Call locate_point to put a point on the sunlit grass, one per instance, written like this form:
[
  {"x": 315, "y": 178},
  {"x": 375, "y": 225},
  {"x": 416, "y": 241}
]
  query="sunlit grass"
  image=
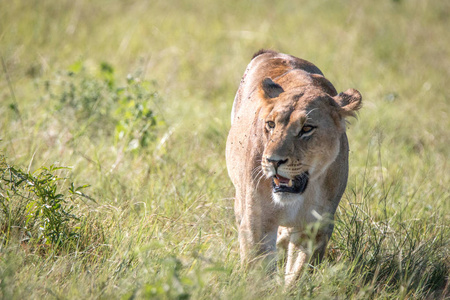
[{"x": 159, "y": 218}]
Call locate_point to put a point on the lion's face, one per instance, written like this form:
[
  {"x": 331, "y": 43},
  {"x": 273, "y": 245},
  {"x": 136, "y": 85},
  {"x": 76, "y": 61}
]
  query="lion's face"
[{"x": 302, "y": 137}]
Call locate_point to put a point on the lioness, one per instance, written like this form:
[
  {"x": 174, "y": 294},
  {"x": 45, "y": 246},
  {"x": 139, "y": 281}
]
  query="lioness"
[{"x": 287, "y": 156}]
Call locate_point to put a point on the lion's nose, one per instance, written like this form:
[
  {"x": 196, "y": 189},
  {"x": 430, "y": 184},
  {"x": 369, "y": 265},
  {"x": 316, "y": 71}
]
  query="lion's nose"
[{"x": 276, "y": 162}]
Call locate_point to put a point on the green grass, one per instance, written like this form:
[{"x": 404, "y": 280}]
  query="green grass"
[{"x": 135, "y": 99}]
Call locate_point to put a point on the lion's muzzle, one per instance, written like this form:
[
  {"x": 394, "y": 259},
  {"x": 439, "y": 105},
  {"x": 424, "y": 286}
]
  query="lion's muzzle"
[{"x": 297, "y": 185}]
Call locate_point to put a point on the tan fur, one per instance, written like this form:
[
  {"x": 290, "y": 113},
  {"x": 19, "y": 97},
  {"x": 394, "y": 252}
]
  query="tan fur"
[{"x": 297, "y": 94}]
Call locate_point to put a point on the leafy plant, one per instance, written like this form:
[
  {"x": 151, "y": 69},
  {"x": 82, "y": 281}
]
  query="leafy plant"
[
  {"x": 34, "y": 204},
  {"x": 100, "y": 106},
  {"x": 135, "y": 119}
]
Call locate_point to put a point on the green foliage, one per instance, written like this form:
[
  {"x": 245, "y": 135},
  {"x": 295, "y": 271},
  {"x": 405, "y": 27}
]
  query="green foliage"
[
  {"x": 136, "y": 121},
  {"x": 100, "y": 106},
  {"x": 33, "y": 206}
]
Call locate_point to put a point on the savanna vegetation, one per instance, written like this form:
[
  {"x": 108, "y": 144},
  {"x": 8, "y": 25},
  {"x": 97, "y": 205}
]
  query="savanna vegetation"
[{"x": 113, "y": 121}]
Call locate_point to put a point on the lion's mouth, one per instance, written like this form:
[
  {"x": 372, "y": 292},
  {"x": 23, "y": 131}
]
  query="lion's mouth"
[{"x": 297, "y": 185}]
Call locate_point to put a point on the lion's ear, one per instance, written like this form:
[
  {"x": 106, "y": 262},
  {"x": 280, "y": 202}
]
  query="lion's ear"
[
  {"x": 349, "y": 102},
  {"x": 271, "y": 89}
]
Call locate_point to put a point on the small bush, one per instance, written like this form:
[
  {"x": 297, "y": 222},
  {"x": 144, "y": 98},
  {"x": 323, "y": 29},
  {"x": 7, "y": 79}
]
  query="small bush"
[
  {"x": 101, "y": 107},
  {"x": 34, "y": 207}
]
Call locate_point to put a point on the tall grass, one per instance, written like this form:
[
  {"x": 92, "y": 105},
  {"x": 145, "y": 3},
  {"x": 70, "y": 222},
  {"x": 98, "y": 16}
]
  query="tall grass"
[{"x": 131, "y": 101}]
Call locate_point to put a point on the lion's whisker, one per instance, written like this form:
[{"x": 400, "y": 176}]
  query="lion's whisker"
[
  {"x": 257, "y": 168},
  {"x": 260, "y": 178},
  {"x": 260, "y": 171}
]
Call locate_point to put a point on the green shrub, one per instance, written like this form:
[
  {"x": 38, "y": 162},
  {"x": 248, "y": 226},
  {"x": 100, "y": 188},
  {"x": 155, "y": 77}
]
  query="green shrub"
[
  {"x": 101, "y": 107},
  {"x": 34, "y": 207}
]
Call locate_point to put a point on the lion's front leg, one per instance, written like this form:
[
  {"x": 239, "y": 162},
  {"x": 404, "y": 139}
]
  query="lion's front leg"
[
  {"x": 257, "y": 234},
  {"x": 257, "y": 242},
  {"x": 297, "y": 256}
]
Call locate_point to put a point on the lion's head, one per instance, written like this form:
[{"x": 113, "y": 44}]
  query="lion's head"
[{"x": 303, "y": 122}]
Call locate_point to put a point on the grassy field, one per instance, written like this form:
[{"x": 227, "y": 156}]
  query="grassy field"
[{"x": 133, "y": 99}]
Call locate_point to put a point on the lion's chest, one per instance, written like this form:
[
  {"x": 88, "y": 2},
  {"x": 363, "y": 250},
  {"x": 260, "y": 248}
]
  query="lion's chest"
[
  {"x": 291, "y": 212},
  {"x": 299, "y": 210}
]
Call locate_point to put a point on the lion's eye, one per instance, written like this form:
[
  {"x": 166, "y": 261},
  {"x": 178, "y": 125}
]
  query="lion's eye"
[
  {"x": 271, "y": 124},
  {"x": 306, "y": 129}
]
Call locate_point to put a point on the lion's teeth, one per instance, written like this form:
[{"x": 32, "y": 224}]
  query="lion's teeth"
[
  {"x": 290, "y": 183},
  {"x": 277, "y": 182}
]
